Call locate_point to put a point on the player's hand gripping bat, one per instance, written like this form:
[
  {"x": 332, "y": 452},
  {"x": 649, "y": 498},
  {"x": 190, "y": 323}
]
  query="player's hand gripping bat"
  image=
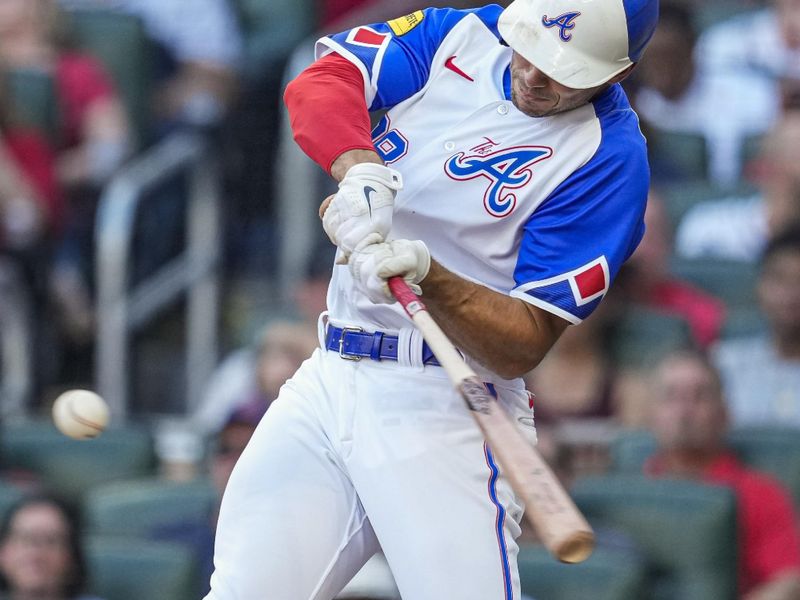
[{"x": 558, "y": 522}]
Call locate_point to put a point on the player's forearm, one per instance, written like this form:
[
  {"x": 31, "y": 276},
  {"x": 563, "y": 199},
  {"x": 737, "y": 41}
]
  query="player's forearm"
[{"x": 503, "y": 333}]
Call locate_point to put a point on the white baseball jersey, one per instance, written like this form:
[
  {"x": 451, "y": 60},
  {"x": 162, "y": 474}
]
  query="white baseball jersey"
[{"x": 544, "y": 209}]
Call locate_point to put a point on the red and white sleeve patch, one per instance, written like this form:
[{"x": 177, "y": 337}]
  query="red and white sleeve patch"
[
  {"x": 590, "y": 281},
  {"x": 366, "y": 36}
]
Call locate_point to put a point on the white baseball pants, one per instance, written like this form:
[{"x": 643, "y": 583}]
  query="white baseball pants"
[{"x": 356, "y": 456}]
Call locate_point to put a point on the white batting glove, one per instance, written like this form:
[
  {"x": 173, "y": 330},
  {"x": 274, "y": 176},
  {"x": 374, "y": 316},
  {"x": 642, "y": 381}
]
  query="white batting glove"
[
  {"x": 361, "y": 211},
  {"x": 371, "y": 266}
]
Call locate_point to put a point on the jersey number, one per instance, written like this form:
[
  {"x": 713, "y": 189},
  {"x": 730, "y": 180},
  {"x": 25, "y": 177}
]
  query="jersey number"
[{"x": 389, "y": 143}]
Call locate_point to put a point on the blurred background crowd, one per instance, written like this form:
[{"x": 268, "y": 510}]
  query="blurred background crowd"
[{"x": 159, "y": 244}]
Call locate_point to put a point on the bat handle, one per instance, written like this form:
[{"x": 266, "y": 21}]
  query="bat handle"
[{"x": 405, "y": 296}]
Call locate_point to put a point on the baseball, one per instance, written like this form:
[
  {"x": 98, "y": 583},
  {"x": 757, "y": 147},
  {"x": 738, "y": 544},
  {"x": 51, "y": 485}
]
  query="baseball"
[{"x": 80, "y": 414}]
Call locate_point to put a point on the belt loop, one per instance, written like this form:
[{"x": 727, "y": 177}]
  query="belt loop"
[
  {"x": 377, "y": 340},
  {"x": 409, "y": 348}
]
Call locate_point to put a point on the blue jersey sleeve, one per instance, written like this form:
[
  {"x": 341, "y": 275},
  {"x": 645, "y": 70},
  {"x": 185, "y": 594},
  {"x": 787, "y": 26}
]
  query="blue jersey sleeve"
[
  {"x": 576, "y": 241},
  {"x": 395, "y": 57}
]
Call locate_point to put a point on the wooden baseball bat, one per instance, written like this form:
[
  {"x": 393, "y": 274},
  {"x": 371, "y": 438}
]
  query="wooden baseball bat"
[{"x": 558, "y": 522}]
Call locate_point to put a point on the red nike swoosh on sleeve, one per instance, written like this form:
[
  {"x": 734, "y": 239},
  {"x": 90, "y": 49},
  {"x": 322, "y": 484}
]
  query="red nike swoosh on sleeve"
[{"x": 449, "y": 64}]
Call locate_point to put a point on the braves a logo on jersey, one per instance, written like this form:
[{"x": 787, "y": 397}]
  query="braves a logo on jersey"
[
  {"x": 506, "y": 169},
  {"x": 565, "y": 24}
]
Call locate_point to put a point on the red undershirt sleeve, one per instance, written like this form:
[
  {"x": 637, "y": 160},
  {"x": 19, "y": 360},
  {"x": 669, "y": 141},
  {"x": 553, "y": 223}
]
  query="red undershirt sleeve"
[{"x": 327, "y": 110}]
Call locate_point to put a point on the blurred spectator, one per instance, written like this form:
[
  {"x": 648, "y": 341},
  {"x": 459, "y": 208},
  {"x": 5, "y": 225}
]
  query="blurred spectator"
[
  {"x": 255, "y": 374},
  {"x": 682, "y": 84},
  {"x": 226, "y": 448},
  {"x": 311, "y": 293},
  {"x": 30, "y": 200},
  {"x": 647, "y": 280},
  {"x": 576, "y": 379},
  {"x": 93, "y": 137},
  {"x": 690, "y": 421},
  {"x": 761, "y": 375},
  {"x": 94, "y": 127},
  {"x": 333, "y": 10},
  {"x": 41, "y": 557},
  {"x": 202, "y": 47},
  {"x": 738, "y": 228}
]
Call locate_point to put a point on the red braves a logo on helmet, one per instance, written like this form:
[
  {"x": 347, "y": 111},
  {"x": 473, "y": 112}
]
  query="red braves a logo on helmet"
[
  {"x": 507, "y": 169},
  {"x": 565, "y": 24}
]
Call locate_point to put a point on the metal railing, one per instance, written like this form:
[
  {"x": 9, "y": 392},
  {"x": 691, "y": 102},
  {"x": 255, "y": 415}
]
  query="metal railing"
[
  {"x": 16, "y": 344},
  {"x": 122, "y": 311}
]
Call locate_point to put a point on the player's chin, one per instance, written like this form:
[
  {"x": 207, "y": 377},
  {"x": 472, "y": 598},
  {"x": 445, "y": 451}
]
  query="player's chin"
[{"x": 534, "y": 107}]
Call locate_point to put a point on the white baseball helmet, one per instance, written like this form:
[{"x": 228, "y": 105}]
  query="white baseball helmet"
[{"x": 579, "y": 43}]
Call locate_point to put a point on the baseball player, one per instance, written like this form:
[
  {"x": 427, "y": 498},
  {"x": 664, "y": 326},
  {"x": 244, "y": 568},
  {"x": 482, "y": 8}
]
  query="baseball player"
[{"x": 507, "y": 181}]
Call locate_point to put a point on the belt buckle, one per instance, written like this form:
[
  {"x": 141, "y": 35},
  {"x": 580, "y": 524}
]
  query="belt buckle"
[{"x": 341, "y": 344}]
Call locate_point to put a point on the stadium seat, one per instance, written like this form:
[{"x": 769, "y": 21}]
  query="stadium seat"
[
  {"x": 630, "y": 450},
  {"x": 71, "y": 467},
  {"x": 643, "y": 336},
  {"x": 132, "y": 569},
  {"x": 774, "y": 450},
  {"x": 9, "y": 494},
  {"x": 708, "y": 14},
  {"x": 121, "y": 44},
  {"x": 139, "y": 507},
  {"x": 743, "y": 322},
  {"x": 271, "y": 30},
  {"x": 34, "y": 102},
  {"x": 606, "y": 575},
  {"x": 681, "y": 196},
  {"x": 733, "y": 282},
  {"x": 686, "y": 152},
  {"x": 686, "y": 531}
]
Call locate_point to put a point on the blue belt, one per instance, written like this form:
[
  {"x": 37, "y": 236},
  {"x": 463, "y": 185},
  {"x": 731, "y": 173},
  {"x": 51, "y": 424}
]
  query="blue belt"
[{"x": 353, "y": 343}]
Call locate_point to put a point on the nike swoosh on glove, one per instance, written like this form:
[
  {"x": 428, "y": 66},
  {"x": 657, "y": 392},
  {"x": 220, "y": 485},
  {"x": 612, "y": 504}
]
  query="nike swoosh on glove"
[
  {"x": 361, "y": 211},
  {"x": 372, "y": 265}
]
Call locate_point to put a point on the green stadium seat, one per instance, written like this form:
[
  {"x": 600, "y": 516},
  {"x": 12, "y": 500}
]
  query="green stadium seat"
[
  {"x": 774, "y": 450},
  {"x": 643, "y": 336},
  {"x": 683, "y": 195},
  {"x": 733, "y": 282},
  {"x": 630, "y": 450},
  {"x": 9, "y": 494},
  {"x": 606, "y": 575},
  {"x": 743, "y": 322},
  {"x": 138, "y": 507},
  {"x": 271, "y": 30},
  {"x": 685, "y": 530},
  {"x": 34, "y": 102},
  {"x": 685, "y": 151},
  {"x": 121, "y": 44},
  {"x": 708, "y": 14},
  {"x": 72, "y": 467},
  {"x": 132, "y": 569}
]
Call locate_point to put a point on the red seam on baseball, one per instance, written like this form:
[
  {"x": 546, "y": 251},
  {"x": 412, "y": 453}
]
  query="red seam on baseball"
[{"x": 81, "y": 420}]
